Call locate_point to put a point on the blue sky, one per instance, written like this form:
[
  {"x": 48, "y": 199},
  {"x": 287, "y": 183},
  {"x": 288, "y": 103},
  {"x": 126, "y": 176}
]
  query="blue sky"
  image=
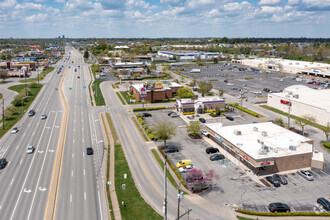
[{"x": 164, "y": 18}]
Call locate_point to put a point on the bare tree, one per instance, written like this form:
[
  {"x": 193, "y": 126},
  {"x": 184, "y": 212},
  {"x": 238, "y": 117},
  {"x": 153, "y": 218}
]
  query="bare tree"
[
  {"x": 304, "y": 121},
  {"x": 3, "y": 75},
  {"x": 220, "y": 91},
  {"x": 326, "y": 131}
]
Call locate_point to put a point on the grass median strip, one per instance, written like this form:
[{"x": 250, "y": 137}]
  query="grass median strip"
[
  {"x": 126, "y": 96},
  {"x": 121, "y": 98},
  {"x": 108, "y": 173},
  {"x": 139, "y": 128},
  {"x": 134, "y": 205}
]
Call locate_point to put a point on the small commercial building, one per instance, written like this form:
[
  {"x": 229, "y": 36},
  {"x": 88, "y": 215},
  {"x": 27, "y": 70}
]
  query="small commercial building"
[
  {"x": 200, "y": 106},
  {"x": 299, "y": 100},
  {"x": 154, "y": 90},
  {"x": 188, "y": 55},
  {"x": 265, "y": 148}
]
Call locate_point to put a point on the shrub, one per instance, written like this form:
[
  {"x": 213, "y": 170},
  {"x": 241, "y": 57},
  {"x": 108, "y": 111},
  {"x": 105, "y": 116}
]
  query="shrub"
[
  {"x": 152, "y": 136},
  {"x": 284, "y": 213},
  {"x": 188, "y": 113},
  {"x": 236, "y": 105},
  {"x": 213, "y": 114},
  {"x": 326, "y": 145},
  {"x": 148, "y": 109}
]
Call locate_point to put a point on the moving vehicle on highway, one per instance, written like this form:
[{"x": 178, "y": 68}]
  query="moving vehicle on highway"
[
  {"x": 15, "y": 130},
  {"x": 30, "y": 149},
  {"x": 43, "y": 116},
  {"x": 31, "y": 113},
  {"x": 278, "y": 207},
  {"x": 3, "y": 163},
  {"x": 307, "y": 175},
  {"x": 89, "y": 151}
]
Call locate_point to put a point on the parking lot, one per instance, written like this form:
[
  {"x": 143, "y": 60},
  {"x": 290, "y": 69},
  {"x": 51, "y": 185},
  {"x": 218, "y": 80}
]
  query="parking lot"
[
  {"x": 251, "y": 81},
  {"x": 232, "y": 186}
]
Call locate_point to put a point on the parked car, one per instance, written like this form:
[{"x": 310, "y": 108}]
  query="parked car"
[
  {"x": 195, "y": 188},
  {"x": 30, "y": 149},
  {"x": 273, "y": 181},
  {"x": 43, "y": 116},
  {"x": 173, "y": 115},
  {"x": 15, "y": 130},
  {"x": 185, "y": 169},
  {"x": 230, "y": 118},
  {"x": 3, "y": 163},
  {"x": 230, "y": 84},
  {"x": 78, "y": 77},
  {"x": 324, "y": 203},
  {"x": 217, "y": 157},
  {"x": 202, "y": 120},
  {"x": 280, "y": 178},
  {"x": 211, "y": 150},
  {"x": 31, "y": 113},
  {"x": 205, "y": 133},
  {"x": 278, "y": 207},
  {"x": 171, "y": 149},
  {"x": 307, "y": 175},
  {"x": 145, "y": 114},
  {"x": 89, "y": 151}
]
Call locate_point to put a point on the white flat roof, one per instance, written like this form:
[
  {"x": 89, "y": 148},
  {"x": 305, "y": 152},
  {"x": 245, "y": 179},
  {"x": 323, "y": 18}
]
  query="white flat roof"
[
  {"x": 278, "y": 139},
  {"x": 313, "y": 97}
]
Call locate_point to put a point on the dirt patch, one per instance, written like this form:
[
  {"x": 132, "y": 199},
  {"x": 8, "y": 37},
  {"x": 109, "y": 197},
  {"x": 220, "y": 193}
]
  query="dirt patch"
[{"x": 265, "y": 182}]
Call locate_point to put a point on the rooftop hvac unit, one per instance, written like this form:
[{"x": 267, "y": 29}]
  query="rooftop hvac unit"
[
  {"x": 290, "y": 92},
  {"x": 291, "y": 147},
  {"x": 259, "y": 141},
  {"x": 264, "y": 133},
  {"x": 265, "y": 148},
  {"x": 255, "y": 129},
  {"x": 296, "y": 96},
  {"x": 262, "y": 152},
  {"x": 237, "y": 132},
  {"x": 287, "y": 96}
]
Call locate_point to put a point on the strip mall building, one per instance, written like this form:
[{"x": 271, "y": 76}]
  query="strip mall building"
[{"x": 265, "y": 148}]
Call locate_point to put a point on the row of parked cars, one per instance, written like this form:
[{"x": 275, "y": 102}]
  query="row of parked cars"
[
  {"x": 276, "y": 180},
  {"x": 282, "y": 207}
]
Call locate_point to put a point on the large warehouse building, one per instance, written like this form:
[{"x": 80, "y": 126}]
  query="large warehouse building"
[
  {"x": 264, "y": 148},
  {"x": 302, "y": 101},
  {"x": 289, "y": 66}
]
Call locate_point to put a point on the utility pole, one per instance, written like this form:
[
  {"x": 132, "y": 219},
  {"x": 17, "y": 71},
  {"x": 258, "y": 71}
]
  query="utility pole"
[
  {"x": 289, "y": 109},
  {"x": 180, "y": 196},
  {"x": 165, "y": 189}
]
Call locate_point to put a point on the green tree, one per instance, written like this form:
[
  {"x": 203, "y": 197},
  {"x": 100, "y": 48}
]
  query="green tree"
[
  {"x": 185, "y": 92},
  {"x": 164, "y": 130},
  {"x": 3, "y": 75},
  {"x": 153, "y": 66},
  {"x": 304, "y": 121},
  {"x": 220, "y": 91},
  {"x": 86, "y": 54},
  {"x": 215, "y": 60},
  {"x": 193, "y": 128},
  {"x": 326, "y": 131},
  {"x": 279, "y": 121},
  {"x": 204, "y": 87},
  {"x": 9, "y": 111},
  {"x": 18, "y": 99},
  {"x": 217, "y": 111}
]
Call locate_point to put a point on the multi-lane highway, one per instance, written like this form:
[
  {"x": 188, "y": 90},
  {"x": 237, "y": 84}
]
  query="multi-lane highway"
[
  {"x": 24, "y": 182},
  {"x": 81, "y": 192}
]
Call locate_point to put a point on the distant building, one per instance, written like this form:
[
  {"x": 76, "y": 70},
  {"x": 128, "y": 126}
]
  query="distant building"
[
  {"x": 201, "y": 105},
  {"x": 186, "y": 55},
  {"x": 300, "y": 100},
  {"x": 265, "y": 148},
  {"x": 154, "y": 90}
]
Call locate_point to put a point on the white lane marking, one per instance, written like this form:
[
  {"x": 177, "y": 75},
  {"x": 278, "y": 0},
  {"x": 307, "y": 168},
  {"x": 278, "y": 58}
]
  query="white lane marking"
[
  {"x": 12, "y": 181},
  {"x": 83, "y": 154},
  {"x": 23, "y": 134},
  {"x": 21, "y": 161},
  {"x": 85, "y": 195},
  {"x": 72, "y": 155},
  {"x": 70, "y": 198},
  {"x": 98, "y": 192},
  {"x": 27, "y": 191},
  {"x": 83, "y": 140},
  {"x": 82, "y": 120},
  {"x": 74, "y": 130},
  {"x": 82, "y": 129},
  {"x": 33, "y": 133},
  {"x": 17, "y": 147},
  {"x": 42, "y": 189},
  {"x": 71, "y": 172},
  {"x": 73, "y": 140},
  {"x": 84, "y": 172}
]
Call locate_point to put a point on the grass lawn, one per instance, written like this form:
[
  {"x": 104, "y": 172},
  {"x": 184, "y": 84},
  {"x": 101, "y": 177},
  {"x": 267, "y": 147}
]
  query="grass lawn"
[
  {"x": 1, "y": 96},
  {"x": 126, "y": 96},
  {"x": 243, "y": 218},
  {"x": 17, "y": 114},
  {"x": 121, "y": 98},
  {"x": 135, "y": 206},
  {"x": 42, "y": 75},
  {"x": 99, "y": 100}
]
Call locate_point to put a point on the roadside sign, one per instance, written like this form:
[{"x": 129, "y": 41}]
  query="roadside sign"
[
  {"x": 84, "y": 87},
  {"x": 70, "y": 88}
]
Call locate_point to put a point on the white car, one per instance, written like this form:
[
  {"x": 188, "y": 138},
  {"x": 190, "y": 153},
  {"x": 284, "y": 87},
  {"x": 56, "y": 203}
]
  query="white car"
[
  {"x": 205, "y": 133},
  {"x": 43, "y": 116},
  {"x": 230, "y": 84},
  {"x": 173, "y": 115},
  {"x": 307, "y": 175},
  {"x": 185, "y": 169},
  {"x": 30, "y": 149},
  {"x": 14, "y": 131}
]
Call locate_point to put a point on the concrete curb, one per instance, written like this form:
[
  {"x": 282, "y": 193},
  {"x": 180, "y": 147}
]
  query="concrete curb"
[
  {"x": 109, "y": 141},
  {"x": 91, "y": 85}
]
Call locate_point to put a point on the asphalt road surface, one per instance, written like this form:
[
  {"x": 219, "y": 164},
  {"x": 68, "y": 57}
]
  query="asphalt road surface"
[
  {"x": 81, "y": 192},
  {"x": 24, "y": 183}
]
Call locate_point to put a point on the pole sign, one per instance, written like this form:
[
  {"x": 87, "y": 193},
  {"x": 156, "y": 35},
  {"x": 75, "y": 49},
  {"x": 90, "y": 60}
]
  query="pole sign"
[
  {"x": 97, "y": 75},
  {"x": 143, "y": 92}
]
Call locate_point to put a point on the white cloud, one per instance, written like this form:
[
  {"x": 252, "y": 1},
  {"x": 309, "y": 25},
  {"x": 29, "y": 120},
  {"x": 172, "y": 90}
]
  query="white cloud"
[
  {"x": 36, "y": 18},
  {"x": 236, "y": 6},
  {"x": 39, "y": 0},
  {"x": 59, "y": 1},
  {"x": 28, "y": 6},
  {"x": 293, "y": 2},
  {"x": 270, "y": 10},
  {"x": 316, "y": 3},
  {"x": 141, "y": 4},
  {"x": 173, "y": 3},
  {"x": 7, "y": 4},
  {"x": 269, "y": 2}
]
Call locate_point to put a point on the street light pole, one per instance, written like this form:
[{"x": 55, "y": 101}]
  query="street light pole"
[
  {"x": 3, "y": 113},
  {"x": 289, "y": 109}
]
